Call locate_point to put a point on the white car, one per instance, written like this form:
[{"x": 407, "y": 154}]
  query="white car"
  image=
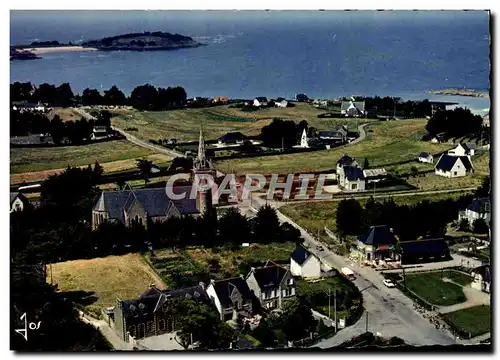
[{"x": 389, "y": 283}]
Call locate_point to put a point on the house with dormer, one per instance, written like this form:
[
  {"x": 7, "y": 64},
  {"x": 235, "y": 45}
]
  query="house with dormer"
[
  {"x": 304, "y": 263},
  {"x": 452, "y": 166},
  {"x": 272, "y": 285},
  {"x": 231, "y": 297},
  {"x": 376, "y": 243}
]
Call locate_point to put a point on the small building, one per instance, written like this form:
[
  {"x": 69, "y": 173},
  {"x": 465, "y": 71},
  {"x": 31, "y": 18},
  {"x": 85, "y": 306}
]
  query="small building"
[
  {"x": 439, "y": 138},
  {"x": 232, "y": 138},
  {"x": 281, "y": 103},
  {"x": 453, "y": 166},
  {"x": 486, "y": 120},
  {"x": 478, "y": 209},
  {"x": 462, "y": 150},
  {"x": 260, "y": 101},
  {"x": 424, "y": 251},
  {"x": 17, "y": 201},
  {"x": 220, "y": 100},
  {"x": 481, "y": 278},
  {"x": 99, "y": 132},
  {"x": 337, "y": 136},
  {"x": 301, "y": 98},
  {"x": 304, "y": 142},
  {"x": 374, "y": 175},
  {"x": 231, "y": 297},
  {"x": 426, "y": 158},
  {"x": 272, "y": 285},
  {"x": 320, "y": 102},
  {"x": 304, "y": 264},
  {"x": 351, "y": 178},
  {"x": 29, "y": 107},
  {"x": 472, "y": 148},
  {"x": 353, "y": 108},
  {"x": 376, "y": 244}
]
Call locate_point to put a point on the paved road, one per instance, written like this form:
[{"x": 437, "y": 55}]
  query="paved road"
[{"x": 389, "y": 312}]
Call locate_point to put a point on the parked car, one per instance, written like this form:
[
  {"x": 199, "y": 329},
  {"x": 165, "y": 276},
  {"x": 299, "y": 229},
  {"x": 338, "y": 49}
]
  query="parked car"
[{"x": 389, "y": 283}]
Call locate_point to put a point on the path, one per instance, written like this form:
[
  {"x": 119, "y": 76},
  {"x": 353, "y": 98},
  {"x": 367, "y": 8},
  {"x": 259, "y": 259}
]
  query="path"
[
  {"x": 107, "y": 332},
  {"x": 474, "y": 298}
]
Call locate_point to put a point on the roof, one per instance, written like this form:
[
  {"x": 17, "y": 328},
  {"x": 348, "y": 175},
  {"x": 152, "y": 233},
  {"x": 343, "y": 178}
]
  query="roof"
[
  {"x": 302, "y": 96},
  {"x": 224, "y": 288},
  {"x": 280, "y": 99},
  {"x": 428, "y": 246},
  {"x": 378, "y": 235},
  {"x": 345, "y": 160},
  {"x": 446, "y": 162},
  {"x": 151, "y": 300},
  {"x": 353, "y": 173},
  {"x": 261, "y": 99},
  {"x": 424, "y": 155},
  {"x": 480, "y": 206},
  {"x": 331, "y": 134},
  {"x": 155, "y": 202},
  {"x": 300, "y": 255},
  {"x": 233, "y": 136},
  {"x": 269, "y": 276},
  {"x": 374, "y": 172},
  {"x": 13, "y": 196},
  {"x": 471, "y": 146},
  {"x": 359, "y": 105}
]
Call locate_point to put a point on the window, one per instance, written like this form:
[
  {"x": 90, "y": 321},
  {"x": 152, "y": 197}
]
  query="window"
[
  {"x": 290, "y": 282},
  {"x": 293, "y": 291},
  {"x": 354, "y": 186},
  {"x": 263, "y": 295},
  {"x": 283, "y": 293},
  {"x": 455, "y": 173}
]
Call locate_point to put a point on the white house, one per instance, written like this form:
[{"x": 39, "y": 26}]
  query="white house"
[
  {"x": 320, "y": 102},
  {"x": 281, "y": 103},
  {"x": 304, "y": 144},
  {"x": 352, "y": 108},
  {"x": 260, "y": 101},
  {"x": 304, "y": 264},
  {"x": 478, "y": 209},
  {"x": 461, "y": 150},
  {"x": 17, "y": 201},
  {"x": 99, "y": 132},
  {"x": 377, "y": 243},
  {"x": 351, "y": 178},
  {"x": 453, "y": 166},
  {"x": 426, "y": 158},
  {"x": 345, "y": 160},
  {"x": 481, "y": 278},
  {"x": 230, "y": 297}
]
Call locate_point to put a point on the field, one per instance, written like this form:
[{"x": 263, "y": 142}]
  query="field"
[
  {"x": 391, "y": 142},
  {"x": 66, "y": 114},
  {"x": 125, "y": 277},
  {"x": 33, "y": 164},
  {"x": 184, "y": 125},
  {"x": 475, "y": 320},
  {"x": 315, "y": 215},
  {"x": 188, "y": 267},
  {"x": 432, "y": 289}
]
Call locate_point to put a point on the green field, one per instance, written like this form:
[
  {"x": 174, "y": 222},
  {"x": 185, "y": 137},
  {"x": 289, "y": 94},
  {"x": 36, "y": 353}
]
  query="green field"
[
  {"x": 431, "y": 288},
  {"x": 315, "y": 215},
  {"x": 39, "y": 159},
  {"x": 474, "y": 321},
  {"x": 184, "y": 125},
  {"x": 390, "y": 142}
]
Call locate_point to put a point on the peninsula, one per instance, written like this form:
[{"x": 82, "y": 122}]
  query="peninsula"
[
  {"x": 22, "y": 55},
  {"x": 459, "y": 92},
  {"x": 145, "y": 41}
]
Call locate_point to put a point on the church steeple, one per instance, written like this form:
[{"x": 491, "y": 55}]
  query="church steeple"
[{"x": 201, "y": 147}]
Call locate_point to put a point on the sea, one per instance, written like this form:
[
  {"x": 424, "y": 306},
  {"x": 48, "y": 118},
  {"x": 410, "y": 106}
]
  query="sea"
[{"x": 325, "y": 54}]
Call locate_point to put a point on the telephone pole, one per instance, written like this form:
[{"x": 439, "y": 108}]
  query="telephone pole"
[
  {"x": 335, "y": 307},
  {"x": 366, "y": 330}
]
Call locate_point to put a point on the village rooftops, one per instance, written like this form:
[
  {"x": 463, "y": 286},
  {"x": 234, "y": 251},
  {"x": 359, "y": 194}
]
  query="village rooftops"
[
  {"x": 224, "y": 288},
  {"x": 446, "y": 162},
  {"x": 480, "y": 206},
  {"x": 269, "y": 276},
  {"x": 300, "y": 255},
  {"x": 378, "y": 235}
]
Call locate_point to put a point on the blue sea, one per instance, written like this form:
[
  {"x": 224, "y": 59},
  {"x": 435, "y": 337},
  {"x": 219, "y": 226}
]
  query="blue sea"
[{"x": 324, "y": 54}]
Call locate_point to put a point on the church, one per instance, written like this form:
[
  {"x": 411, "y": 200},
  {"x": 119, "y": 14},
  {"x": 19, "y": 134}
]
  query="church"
[{"x": 145, "y": 205}]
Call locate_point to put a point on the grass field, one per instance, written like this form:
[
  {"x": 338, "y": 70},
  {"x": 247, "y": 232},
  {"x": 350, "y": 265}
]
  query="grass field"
[
  {"x": 66, "y": 114},
  {"x": 390, "y": 142},
  {"x": 315, "y": 215},
  {"x": 184, "y": 125},
  {"x": 475, "y": 320},
  {"x": 125, "y": 277},
  {"x": 188, "y": 267},
  {"x": 33, "y": 164},
  {"x": 431, "y": 288}
]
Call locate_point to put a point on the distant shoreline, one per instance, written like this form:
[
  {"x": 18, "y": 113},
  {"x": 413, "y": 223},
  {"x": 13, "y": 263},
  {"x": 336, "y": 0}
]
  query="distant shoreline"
[
  {"x": 460, "y": 92},
  {"x": 58, "y": 49}
]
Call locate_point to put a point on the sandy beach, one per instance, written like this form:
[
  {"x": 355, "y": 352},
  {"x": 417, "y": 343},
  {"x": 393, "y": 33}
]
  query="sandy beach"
[{"x": 59, "y": 49}]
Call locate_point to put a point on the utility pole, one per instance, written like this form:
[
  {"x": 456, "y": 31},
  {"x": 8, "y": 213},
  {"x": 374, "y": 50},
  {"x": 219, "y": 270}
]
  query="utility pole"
[
  {"x": 335, "y": 307},
  {"x": 329, "y": 306},
  {"x": 51, "y": 283},
  {"x": 282, "y": 144},
  {"x": 366, "y": 330}
]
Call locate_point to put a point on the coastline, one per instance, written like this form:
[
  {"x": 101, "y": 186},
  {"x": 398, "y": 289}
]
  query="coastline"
[
  {"x": 58, "y": 49},
  {"x": 460, "y": 92}
]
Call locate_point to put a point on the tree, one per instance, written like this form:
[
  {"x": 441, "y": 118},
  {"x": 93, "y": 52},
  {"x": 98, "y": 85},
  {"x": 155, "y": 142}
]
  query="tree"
[
  {"x": 144, "y": 97},
  {"x": 279, "y": 133},
  {"x": 145, "y": 167},
  {"x": 483, "y": 190},
  {"x": 414, "y": 171},
  {"x": 349, "y": 217},
  {"x": 455, "y": 123},
  {"x": 91, "y": 97},
  {"x": 267, "y": 226},
  {"x": 63, "y": 95},
  {"x": 234, "y": 227},
  {"x": 479, "y": 226},
  {"x": 114, "y": 96},
  {"x": 366, "y": 164},
  {"x": 464, "y": 225}
]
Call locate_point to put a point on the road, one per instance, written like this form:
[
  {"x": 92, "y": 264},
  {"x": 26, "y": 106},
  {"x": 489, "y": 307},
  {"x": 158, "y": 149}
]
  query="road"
[{"x": 390, "y": 313}]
